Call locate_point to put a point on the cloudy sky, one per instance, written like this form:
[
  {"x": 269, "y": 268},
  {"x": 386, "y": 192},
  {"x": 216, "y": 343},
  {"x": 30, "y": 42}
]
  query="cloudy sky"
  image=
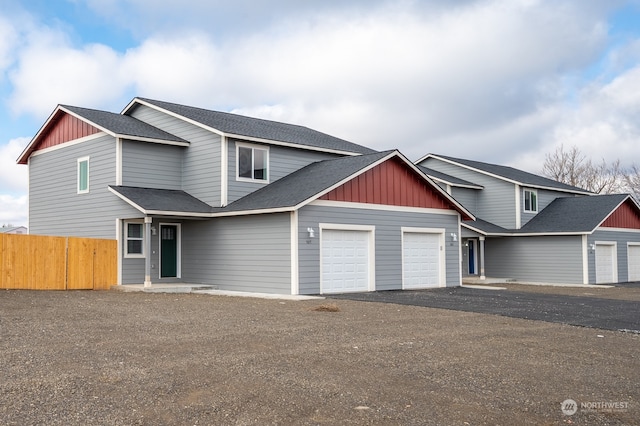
[{"x": 502, "y": 81}]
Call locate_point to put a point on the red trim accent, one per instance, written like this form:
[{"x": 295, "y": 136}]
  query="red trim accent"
[
  {"x": 390, "y": 183},
  {"x": 626, "y": 216}
]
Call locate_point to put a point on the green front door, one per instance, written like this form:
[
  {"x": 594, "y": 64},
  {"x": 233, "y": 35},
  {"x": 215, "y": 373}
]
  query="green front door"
[{"x": 168, "y": 251}]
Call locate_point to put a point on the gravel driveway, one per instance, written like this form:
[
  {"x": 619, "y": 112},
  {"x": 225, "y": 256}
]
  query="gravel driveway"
[{"x": 94, "y": 358}]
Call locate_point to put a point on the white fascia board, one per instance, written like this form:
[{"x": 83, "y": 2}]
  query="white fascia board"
[
  {"x": 67, "y": 144},
  {"x": 128, "y": 201},
  {"x": 383, "y": 207},
  {"x": 81, "y": 118},
  {"x": 153, "y": 140},
  {"x": 424, "y": 158},
  {"x": 472, "y": 228},
  {"x": 629, "y": 230}
]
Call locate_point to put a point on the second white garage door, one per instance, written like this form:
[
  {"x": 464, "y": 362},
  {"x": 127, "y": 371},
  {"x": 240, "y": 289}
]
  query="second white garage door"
[
  {"x": 421, "y": 260},
  {"x": 345, "y": 257},
  {"x": 606, "y": 263}
]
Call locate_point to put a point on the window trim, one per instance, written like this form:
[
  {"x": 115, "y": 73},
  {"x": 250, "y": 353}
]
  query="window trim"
[
  {"x": 252, "y": 147},
  {"x": 127, "y": 238},
  {"x": 80, "y": 161},
  {"x": 524, "y": 200}
]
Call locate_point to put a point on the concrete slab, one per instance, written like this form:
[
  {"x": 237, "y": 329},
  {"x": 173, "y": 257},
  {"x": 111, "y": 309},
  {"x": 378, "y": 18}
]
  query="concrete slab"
[{"x": 206, "y": 289}]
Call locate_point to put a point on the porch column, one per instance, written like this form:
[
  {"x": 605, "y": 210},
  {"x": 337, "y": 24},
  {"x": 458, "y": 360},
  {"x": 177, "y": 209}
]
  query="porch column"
[
  {"x": 147, "y": 251},
  {"x": 482, "y": 276}
]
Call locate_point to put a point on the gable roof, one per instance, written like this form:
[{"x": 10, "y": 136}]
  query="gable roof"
[
  {"x": 510, "y": 174},
  {"x": 448, "y": 179},
  {"x": 288, "y": 193},
  {"x": 240, "y": 126},
  {"x": 116, "y": 125},
  {"x": 574, "y": 214}
]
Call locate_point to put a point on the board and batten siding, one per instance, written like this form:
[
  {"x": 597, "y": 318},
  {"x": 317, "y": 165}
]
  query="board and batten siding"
[
  {"x": 201, "y": 161},
  {"x": 243, "y": 253},
  {"x": 621, "y": 238},
  {"x": 55, "y": 207},
  {"x": 388, "y": 242},
  {"x": 151, "y": 165},
  {"x": 495, "y": 203},
  {"x": 552, "y": 259},
  {"x": 282, "y": 161}
]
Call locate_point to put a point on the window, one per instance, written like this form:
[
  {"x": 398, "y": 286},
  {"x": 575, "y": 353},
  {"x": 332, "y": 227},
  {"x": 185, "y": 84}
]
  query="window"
[
  {"x": 83, "y": 175},
  {"x": 252, "y": 163},
  {"x": 134, "y": 239},
  {"x": 530, "y": 201}
]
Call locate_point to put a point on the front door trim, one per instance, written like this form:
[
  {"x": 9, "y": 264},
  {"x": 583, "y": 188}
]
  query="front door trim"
[{"x": 178, "y": 249}]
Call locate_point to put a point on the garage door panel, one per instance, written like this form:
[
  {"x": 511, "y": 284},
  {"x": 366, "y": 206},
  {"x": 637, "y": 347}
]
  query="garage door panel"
[
  {"x": 345, "y": 261},
  {"x": 605, "y": 263},
  {"x": 634, "y": 262},
  {"x": 421, "y": 260}
]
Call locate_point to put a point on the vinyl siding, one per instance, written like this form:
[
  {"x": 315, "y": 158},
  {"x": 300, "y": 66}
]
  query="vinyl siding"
[
  {"x": 201, "y": 167},
  {"x": 248, "y": 253},
  {"x": 282, "y": 161},
  {"x": 621, "y": 239},
  {"x": 388, "y": 242},
  {"x": 55, "y": 207},
  {"x": 554, "y": 259},
  {"x": 467, "y": 197},
  {"x": 545, "y": 197},
  {"x": 495, "y": 203},
  {"x": 150, "y": 165}
]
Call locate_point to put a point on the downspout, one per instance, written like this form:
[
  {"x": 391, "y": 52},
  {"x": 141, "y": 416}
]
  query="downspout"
[{"x": 147, "y": 251}]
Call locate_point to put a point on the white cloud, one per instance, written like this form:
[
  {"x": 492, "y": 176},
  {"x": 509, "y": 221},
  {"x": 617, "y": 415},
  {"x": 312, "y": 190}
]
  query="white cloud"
[
  {"x": 14, "y": 177},
  {"x": 13, "y": 210}
]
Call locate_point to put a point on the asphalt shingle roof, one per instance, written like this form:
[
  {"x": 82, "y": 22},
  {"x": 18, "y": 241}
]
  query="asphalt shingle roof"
[
  {"x": 448, "y": 178},
  {"x": 258, "y": 128},
  {"x": 573, "y": 214},
  {"x": 520, "y": 176},
  {"x": 123, "y": 124},
  {"x": 163, "y": 200}
]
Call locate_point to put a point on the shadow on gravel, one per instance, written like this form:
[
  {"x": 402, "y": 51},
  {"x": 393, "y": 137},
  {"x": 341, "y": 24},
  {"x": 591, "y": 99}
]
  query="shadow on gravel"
[{"x": 593, "y": 312}]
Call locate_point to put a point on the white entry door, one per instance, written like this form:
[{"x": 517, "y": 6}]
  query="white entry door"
[
  {"x": 421, "y": 260},
  {"x": 606, "y": 268},
  {"x": 634, "y": 262},
  {"x": 345, "y": 261}
]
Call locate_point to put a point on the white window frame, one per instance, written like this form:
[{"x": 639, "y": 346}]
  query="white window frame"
[
  {"x": 127, "y": 238},
  {"x": 253, "y": 147},
  {"x": 524, "y": 200},
  {"x": 82, "y": 160}
]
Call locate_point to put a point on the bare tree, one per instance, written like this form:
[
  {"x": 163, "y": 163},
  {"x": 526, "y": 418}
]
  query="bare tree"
[
  {"x": 573, "y": 168},
  {"x": 632, "y": 179}
]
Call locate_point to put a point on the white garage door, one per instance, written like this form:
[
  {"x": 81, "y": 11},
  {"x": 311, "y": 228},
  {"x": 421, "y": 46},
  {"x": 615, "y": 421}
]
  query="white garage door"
[
  {"x": 605, "y": 263},
  {"x": 634, "y": 262},
  {"x": 345, "y": 261},
  {"x": 421, "y": 260}
]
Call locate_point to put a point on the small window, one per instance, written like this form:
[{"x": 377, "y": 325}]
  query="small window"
[
  {"x": 252, "y": 163},
  {"x": 134, "y": 239},
  {"x": 530, "y": 201},
  {"x": 83, "y": 175}
]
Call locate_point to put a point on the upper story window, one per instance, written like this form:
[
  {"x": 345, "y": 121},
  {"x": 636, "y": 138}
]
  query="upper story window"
[
  {"x": 134, "y": 239},
  {"x": 252, "y": 163},
  {"x": 83, "y": 175},
  {"x": 530, "y": 201}
]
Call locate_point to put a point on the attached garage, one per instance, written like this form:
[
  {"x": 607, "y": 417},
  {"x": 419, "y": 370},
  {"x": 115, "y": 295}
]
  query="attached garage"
[
  {"x": 633, "y": 252},
  {"x": 346, "y": 260},
  {"x": 606, "y": 261},
  {"x": 422, "y": 260}
]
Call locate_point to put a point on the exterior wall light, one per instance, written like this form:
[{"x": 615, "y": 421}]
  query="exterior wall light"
[
  {"x": 311, "y": 232},
  {"x": 454, "y": 237}
]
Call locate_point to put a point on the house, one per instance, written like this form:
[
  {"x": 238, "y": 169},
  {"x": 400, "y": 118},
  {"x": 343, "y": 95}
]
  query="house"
[
  {"x": 531, "y": 228},
  {"x": 13, "y": 230},
  {"x": 205, "y": 197}
]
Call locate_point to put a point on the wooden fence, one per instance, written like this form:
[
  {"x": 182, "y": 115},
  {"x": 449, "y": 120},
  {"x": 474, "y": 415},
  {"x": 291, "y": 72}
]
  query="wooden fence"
[{"x": 34, "y": 262}]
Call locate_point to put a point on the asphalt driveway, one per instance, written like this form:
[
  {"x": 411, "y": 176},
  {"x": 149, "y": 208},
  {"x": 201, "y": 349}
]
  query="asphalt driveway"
[{"x": 596, "y": 312}]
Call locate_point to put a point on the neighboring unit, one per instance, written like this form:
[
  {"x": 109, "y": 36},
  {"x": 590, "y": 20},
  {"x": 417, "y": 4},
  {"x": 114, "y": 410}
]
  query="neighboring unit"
[
  {"x": 204, "y": 197},
  {"x": 531, "y": 228},
  {"x": 13, "y": 230}
]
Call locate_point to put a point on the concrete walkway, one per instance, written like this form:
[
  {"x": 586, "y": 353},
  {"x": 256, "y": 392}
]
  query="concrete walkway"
[{"x": 206, "y": 289}]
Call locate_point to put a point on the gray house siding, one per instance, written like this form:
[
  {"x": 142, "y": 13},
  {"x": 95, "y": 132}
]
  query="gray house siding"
[
  {"x": 282, "y": 161},
  {"x": 388, "y": 242},
  {"x": 467, "y": 197},
  {"x": 496, "y": 205},
  {"x": 621, "y": 239},
  {"x": 248, "y": 253},
  {"x": 537, "y": 259},
  {"x": 545, "y": 197},
  {"x": 202, "y": 162},
  {"x": 55, "y": 207},
  {"x": 150, "y": 165}
]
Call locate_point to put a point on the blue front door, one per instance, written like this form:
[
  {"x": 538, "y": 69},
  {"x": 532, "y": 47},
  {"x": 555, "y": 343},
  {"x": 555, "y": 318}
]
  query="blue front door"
[{"x": 472, "y": 257}]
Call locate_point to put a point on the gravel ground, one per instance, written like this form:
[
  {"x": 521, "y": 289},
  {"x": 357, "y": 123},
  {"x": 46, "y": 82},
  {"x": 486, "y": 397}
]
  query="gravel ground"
[{"x": 85, "y": 358}]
